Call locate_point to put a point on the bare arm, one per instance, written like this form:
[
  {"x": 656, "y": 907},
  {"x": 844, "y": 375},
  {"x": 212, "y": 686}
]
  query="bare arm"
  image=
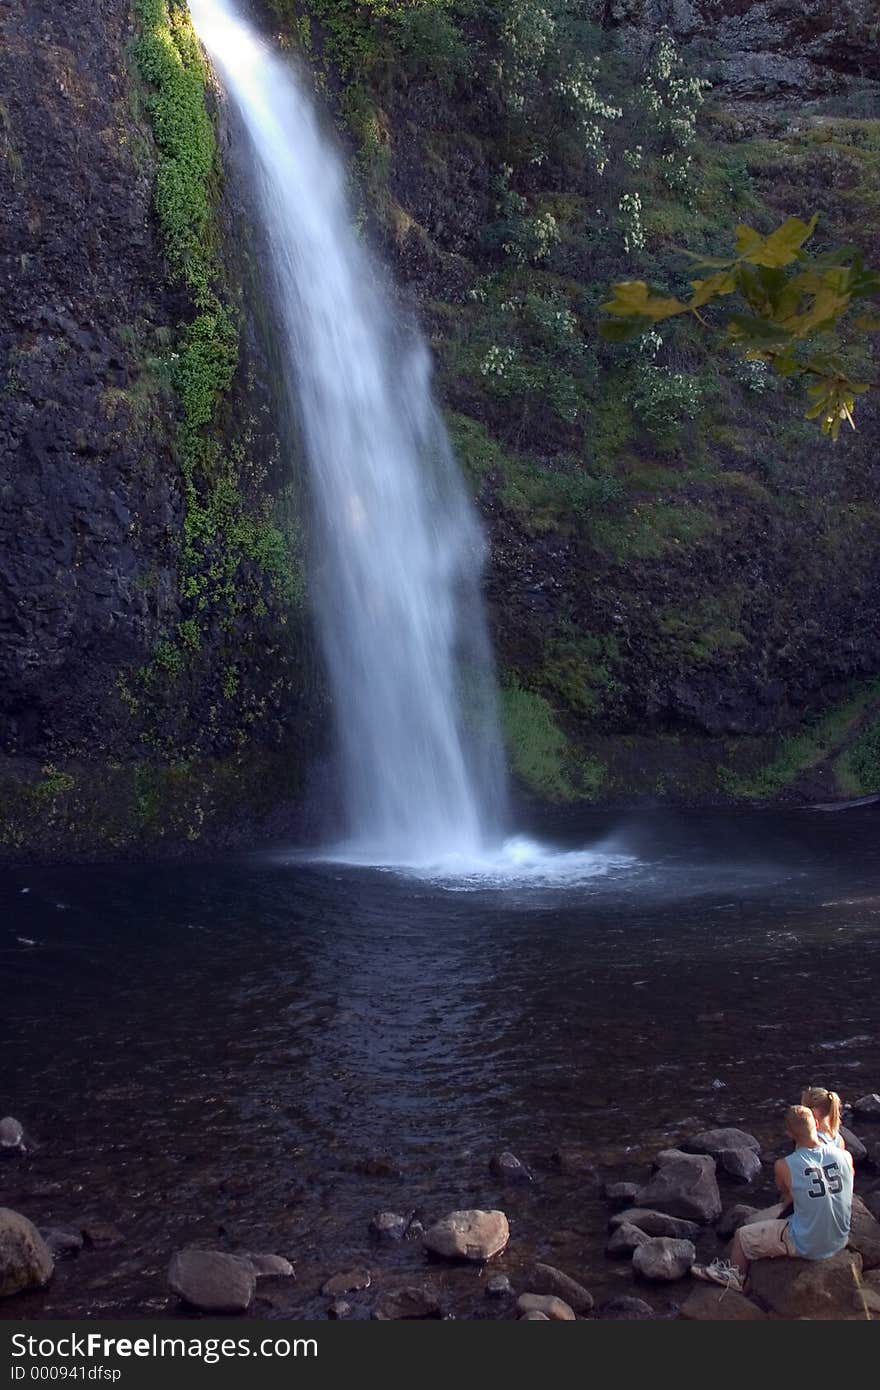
[{"x": 782, "y": 1174}]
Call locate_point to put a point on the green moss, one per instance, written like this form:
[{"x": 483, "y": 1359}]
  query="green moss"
[
  {"x": 858, "y": 769},
  {"x": 477, "y": 452},
  {"x": 539, "y": 751},
  {"x": 800, "y": 752},
  {"x": 547, "y": 497},
  {"x": 580, "y": 671},
  {"x": 651, "y": 529}
]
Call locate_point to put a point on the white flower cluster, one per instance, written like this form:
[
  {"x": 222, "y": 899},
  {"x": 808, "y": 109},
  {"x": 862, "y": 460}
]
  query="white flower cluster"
[
  {"x": 630, "y": 210},
  {"x": 673, "y": 101},
  {"x": 498, "y": 361}
]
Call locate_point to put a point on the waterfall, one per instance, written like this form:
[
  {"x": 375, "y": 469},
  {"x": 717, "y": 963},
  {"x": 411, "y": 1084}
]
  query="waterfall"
[{"x": 397, "y": 552}]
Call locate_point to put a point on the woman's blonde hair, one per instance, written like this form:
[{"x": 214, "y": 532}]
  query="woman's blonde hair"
[{"x": 824, "y": 1104}]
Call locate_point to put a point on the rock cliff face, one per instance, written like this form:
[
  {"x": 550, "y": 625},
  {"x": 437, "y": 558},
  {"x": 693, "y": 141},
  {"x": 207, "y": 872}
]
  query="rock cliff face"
[{"x": 144, "y": 675}]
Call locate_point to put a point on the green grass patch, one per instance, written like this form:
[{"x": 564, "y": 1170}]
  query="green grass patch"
[
  {"x": 539, "y": 751},
  {"x": 650, "y": 529}
]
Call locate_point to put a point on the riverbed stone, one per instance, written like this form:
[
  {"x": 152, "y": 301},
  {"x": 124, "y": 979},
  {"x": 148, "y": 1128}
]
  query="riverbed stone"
[
  {"x": 743, "y": 1164},
  {"x": 711, "y": 1303},
  {"x": 655, "y": 1223},
  {"x": 102, "y": 1235},
  {"x": 498, "y": 1286},
  {"x": 339, "y": 1308},
  {"x": 388, "y": 1226},
  {"x": 468, "y": 1235},
  {"x": 864, "y": 1234},
  {"x": 62, "y": 1241},
  {"x": 269, "y": 1266},
  {"x": 25, "y": 1260},
  {"x": 623, "y": 1194},
  {"x": 739, "y": 1215},
  {"x": 507, "y": 1168},
  {"x": 576, "y": 1163},
  {"x": 685, "y": 1186},
  {"x": 625, "y": 1239},
  {"x": 854, "y": 1144},
  {"x": 556, "y": 1309},
  {"x": 347, "y": 1281},
  {"x": 11, "y": 1136},
  {"x": 717, "y": 1141},
  {"x": 410, "y": 1302},
  {"x": 867, "y": 1107},
  {"x": 550, "y": 1280},
  {"x": 623, "y": 1308},
  {"x": 814, "y": 1289},
  {"x": 534, "y": 1316},
  {"x": 212, "y": 1281},
  {"x": 662, "y": 1258}
]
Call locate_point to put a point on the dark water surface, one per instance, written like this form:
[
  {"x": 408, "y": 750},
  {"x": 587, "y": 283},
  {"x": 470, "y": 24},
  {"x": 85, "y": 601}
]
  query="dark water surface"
[{"x": 216, "y": 1053}]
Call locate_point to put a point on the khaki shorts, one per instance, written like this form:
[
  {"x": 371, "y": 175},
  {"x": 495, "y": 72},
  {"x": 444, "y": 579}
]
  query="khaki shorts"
[{"x": 765, "y": 1240}]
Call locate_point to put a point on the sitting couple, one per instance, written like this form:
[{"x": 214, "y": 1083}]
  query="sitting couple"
[{"x": 816, "y": 1184}]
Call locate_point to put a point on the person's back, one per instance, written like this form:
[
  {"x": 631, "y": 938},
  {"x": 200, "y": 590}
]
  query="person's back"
[{"x": 822, "y": 1191}]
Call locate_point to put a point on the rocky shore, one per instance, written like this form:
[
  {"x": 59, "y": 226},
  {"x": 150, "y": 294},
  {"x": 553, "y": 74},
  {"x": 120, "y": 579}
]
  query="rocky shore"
[{"x": 664, "y": 1213}]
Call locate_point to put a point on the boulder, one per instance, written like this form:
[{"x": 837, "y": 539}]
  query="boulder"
[
  {"x": 399, "y": 1304},
  {"x": 11, "y": 1136},
  {"x": 623, "y": 1194},
  {"x": 506, "y": 1167},
  {"x": 711, "y": 1303},
  {"x": 814, "y": 1289},
  {"x": 743, "y": 1164},
  {"x": 685, "y": 1185},
  {"x": 734, "y": 1217},
  {"x": 534, "y": 1317},
  {"x": 269, "y": 1266},
  {"x": 718, "y": 1141},
  {"x": 867, "y": 1107},
  {"x": 854, "y": 1144},
  {"x": 388, "y": 1226},
  {"x": 25, "y": 1260},
  {"x": 468, "y": 1235},
  {"x": 212, "y": 1281},
  {"x": 549, "y": 1279},
  {"x": 655, "y": 1223},
  {"x": 662, "y": 1258},
  {"x": 556, "y": 1309},
  {"x": 61, "y": 1241},
  {"x": 872, "y": 1202},
  {"x": 625, "y": 1239},
  {"x": 625, "y": 1309},
  {"x": 866, "y": 1299},
  {"x": 498, "y": 1286},
  {"x": 864, "y": 1234},
  {"x": 348, "y": 1281}
]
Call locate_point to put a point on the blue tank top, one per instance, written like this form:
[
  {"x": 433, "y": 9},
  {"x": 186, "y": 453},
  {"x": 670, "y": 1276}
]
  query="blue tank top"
[
  {"x": 827, "y": 1138},
  {"x": 821, "y": 1188}
]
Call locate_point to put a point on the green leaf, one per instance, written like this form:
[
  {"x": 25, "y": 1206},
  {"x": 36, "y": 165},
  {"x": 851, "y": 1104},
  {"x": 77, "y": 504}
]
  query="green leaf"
[
  {"x": 710, "y": 262},
  {"x": 779, "y": 248},
  {"x": 748, "y": 330},
  {"x": 621, "y": 330},
  {"x": 868, "y": 323},
  {"x": 704, "y": 290},
  {"x": 631, "y": 297}
]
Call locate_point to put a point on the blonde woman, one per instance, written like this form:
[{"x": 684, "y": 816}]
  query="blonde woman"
[{"x": 826, "y": 1108}]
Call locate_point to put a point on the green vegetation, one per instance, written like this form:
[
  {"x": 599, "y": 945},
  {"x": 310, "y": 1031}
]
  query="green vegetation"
[
  {"x": 539, "y": 751},
  {"x": 800, "y": 752},
  {"x": 859, "y": 766}
]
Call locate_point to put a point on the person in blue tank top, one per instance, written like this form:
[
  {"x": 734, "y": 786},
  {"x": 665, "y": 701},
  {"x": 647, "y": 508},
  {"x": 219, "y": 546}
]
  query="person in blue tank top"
[
  {"x": 826, "y": 1109},
  {"x": 817, "y": 1179}
]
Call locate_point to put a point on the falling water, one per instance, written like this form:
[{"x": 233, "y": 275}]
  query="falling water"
[{"x": 398, "y": 552}]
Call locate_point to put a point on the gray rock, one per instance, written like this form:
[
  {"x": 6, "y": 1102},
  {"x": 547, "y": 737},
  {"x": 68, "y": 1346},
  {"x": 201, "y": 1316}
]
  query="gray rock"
[
  {"x": 556, "y": 1309},
  {"x": 348, "y": 1281},
  {"x": 740, "y": 1163},
  {"x": 734, "y": 1217},
  {"x": 507, "y": 1168},
  {"x": 872, "y": 1202},
  {"x": 685, "y": 1185},
  {"x": 498, "y": 1286},
  {"x": 813, "y": 1289},
  {"x": 270, "y": 1266},
  {"x": 711, "y": 1303},
  {"x": 11, "y": 1136},
  {"x": 625, "y": 1309},
  {"x": 388, "y": 1226},
  {"x": 664, "y": 1259},
  {"x": 408, "y": 1303},
  {"x": 61, "y": 1241},
  {"x": 854, "y": 1144},
  {"x": 867, "y": 1107},
  {"x": 625, "y": 1239},
  {"x": 25, "y": 1260},
  {"x": 339, "y": 1309},
  {"x": 468, "y": 1235},
  {"x": 864, "y": 1234},
  {"x": 622, "y": 1193},
  {"x": 655, "y": 1223},
  {"x": 718, "y": 1141},
  {"x": 534, "y": 1316},
  {"x": 212, "y": 1281},
  {"x": 548, "y": 1279}
]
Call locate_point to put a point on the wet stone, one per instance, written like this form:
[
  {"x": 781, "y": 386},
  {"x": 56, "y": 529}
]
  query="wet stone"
[
  {"x": 340, "y": 1309},
  {"x": 212, "y": 1281},
  {"x": 102, "y": 1235},
  {"x": 625, "y": 1309},
  {"x": 388, "y": 1226},
  {"x": 348, "y": 1281},
  {"x": 623, "y": 1194},
  {"x": 408, "y": 1303},
  {"x": 507, "y": 1168},
  {"x": 469, "y": 1235},
  {"x": 270, "y": 1266},
  {"x": 867, "y": 1107},
  {"x": 25, "y": 1260},
  {"x": 664, "y": 1259},
  {"x": 625, "y": 1239},
  {"x": 548, "y": 1279},
  {"x": 498, "y": 1286},
  {"x": 62, "y": 1242},
  {"x": 551, "y": 1307}
]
